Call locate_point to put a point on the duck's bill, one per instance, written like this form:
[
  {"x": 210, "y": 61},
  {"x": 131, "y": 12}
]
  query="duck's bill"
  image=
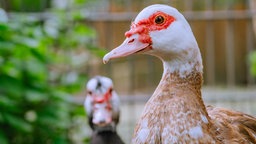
[{"x": 128, "y": 47}]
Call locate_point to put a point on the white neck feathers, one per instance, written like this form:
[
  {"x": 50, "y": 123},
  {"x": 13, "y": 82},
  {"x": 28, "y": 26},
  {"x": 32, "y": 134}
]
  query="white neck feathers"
[{"x": 186, "y": 64}]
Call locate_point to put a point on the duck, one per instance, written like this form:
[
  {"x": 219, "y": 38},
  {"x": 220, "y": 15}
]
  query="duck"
[
  {"x": 102, "y": 105},
  {"x": 176, "y": 112}
]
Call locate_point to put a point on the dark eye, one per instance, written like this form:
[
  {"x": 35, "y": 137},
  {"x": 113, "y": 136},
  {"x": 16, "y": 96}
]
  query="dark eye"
[
  {"x": 159, "y": 19},
  {"x": 89, "y": 92},
  {"x": 110, "y": 90}
]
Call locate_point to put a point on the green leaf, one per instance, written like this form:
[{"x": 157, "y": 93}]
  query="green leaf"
[
  {"x": 41, "y": 57},
  {"x": 11, "y": 85},
  {"x": 61, "y": 95},
  {"x": 79, "y": 110},
  {"x": 60, "y": 140},
  {"x": 25, "y": 41},
  {"x": 80, "y": 2},
  {"x": 52, "y": 120},
  {"x": 18, "y": 123},
  {"x": 252, "y": 60},
  {"x": 35, "y": 96},
  {"x": 3, "y": 138},
  {"x": 3, "y": 26},
  {"x": 6, "y": 102},
  {"x": 12, "y": 68},
  {"x": 83, "y": 30},
  {"x": 77, "y": 15},
  {"x": 6, "y": 46},
  {"x": 97, "y": 51},
  {"x": 37, "y": 69}
]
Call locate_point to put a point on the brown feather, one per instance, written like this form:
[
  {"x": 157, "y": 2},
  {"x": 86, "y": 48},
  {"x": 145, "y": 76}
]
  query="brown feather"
[
  {"x": 177, "y": 104},
  {"x": 233, "y": 126}
]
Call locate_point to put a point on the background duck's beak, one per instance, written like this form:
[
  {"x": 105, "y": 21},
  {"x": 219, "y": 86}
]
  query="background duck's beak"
[{"x": 130, "y": 46}]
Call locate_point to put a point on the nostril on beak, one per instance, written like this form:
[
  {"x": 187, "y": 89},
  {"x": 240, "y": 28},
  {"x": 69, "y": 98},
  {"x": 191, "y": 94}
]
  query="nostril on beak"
[
  {"x": 102, "y": 121},
  {"x": 130, "y": 41}
]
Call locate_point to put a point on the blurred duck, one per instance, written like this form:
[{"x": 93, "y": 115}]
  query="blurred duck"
[
  {"x": 176, "y": 112},
  {"x": 102, "y": 107}
]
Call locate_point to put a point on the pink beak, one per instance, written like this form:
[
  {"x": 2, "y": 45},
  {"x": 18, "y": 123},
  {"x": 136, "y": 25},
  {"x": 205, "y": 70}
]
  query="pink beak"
[{"x": 130, "y": 46}]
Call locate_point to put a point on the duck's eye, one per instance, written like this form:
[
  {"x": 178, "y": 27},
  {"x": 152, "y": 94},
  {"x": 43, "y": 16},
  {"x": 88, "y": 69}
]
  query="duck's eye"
[
  {"x": 89, "y": 92},
  {"x": 159, "y": 19}
]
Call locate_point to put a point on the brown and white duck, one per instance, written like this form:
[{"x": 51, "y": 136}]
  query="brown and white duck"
[
  {"x": 102, "y": 105},
  {"x": 176, "y": 112}
]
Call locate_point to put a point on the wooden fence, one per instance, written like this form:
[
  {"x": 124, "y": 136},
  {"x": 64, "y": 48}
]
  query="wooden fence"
[{"x": 224, "y": 31}]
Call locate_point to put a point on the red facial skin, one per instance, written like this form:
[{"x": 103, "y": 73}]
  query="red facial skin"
[
  {"x": 156, "y": 22},
  {"x": 143, "y": 27},
  {"x": 106, "y": 98}
]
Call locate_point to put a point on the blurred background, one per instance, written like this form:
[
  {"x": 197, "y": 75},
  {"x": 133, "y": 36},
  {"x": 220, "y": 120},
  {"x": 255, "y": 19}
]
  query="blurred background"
[{"x": 50, "y": 48}]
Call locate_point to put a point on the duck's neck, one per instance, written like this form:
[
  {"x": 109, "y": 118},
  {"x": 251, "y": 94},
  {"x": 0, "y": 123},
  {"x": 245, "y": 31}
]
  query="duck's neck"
[
  {"x": 186, "y": 88},
  {"x": 183, "y": 94},
  {"x": 176, "y": 111}
]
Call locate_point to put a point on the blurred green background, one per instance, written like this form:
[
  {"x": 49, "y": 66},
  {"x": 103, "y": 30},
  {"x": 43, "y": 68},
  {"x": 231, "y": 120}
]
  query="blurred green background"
[{"x": 40, "y": 70}]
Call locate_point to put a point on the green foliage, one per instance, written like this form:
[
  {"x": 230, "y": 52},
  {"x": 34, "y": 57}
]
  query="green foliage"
[
  {"x": 252, "y": 60},
  {"x": 38, "y": 73}
]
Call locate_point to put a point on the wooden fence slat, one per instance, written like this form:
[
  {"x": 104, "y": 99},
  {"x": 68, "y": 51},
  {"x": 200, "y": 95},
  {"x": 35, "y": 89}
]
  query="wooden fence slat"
[
  {"x": 210, "y": 52},
  {"x": 230, "y": 63}
]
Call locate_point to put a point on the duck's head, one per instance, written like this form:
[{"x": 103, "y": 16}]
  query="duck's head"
[
  {"x": 162, "y": 31},
  {"x": 99, "y": 103}
]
